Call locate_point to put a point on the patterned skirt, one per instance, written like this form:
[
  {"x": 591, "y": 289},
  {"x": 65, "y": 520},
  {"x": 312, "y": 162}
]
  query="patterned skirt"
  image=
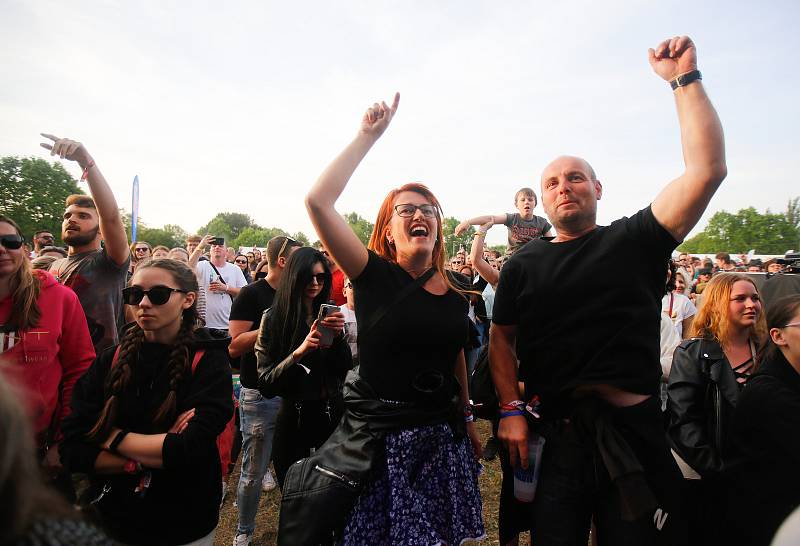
[{"x": 423, "y": 492}]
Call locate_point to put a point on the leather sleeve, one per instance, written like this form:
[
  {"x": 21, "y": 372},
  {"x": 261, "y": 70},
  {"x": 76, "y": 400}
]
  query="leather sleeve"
[
  {"x": 688, "y": 415},
  {"x": 275, "y": 378}
]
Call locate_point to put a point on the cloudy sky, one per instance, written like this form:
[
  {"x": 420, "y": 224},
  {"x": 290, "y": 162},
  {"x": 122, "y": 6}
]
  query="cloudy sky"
[{"x": 238, "y": 106}]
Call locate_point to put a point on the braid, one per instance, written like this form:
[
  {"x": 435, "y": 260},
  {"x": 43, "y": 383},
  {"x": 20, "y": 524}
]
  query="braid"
[
  {"x": 177, "y": 367},
  {"x": 117, "y": 380}
]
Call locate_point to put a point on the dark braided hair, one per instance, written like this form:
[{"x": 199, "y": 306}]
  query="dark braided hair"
[{"x": 178, "y": 364}]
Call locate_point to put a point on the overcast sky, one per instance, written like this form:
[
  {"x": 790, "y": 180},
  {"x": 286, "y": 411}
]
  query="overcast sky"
[{"x": 239, "y": 107}]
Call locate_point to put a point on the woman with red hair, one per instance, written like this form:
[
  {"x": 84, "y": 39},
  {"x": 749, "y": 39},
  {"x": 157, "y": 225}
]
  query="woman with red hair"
[{"x": 423, "y": 487}]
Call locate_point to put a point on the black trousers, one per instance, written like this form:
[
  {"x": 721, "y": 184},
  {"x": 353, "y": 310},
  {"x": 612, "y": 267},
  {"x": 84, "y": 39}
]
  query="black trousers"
[
  {"x": 574, "y": 486},
  {"x": 301, "y": 426}
]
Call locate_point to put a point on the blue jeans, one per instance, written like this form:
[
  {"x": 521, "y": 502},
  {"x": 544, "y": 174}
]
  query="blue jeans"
[{"x": 257, "y": 417}]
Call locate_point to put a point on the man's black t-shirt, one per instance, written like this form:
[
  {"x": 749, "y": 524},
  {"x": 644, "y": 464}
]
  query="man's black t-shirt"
[
  {"x": 582, "y": 319},
  {"x": 423, "y": 332},
  {"x": 250, "y": 304}
]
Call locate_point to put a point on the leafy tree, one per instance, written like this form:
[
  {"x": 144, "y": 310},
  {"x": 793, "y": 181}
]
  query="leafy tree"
[
  {"x": 301, "y": 238},
  {"x": 169, "y": 236},
  {"x": 499, "y": 248},
  {"x": 33, "y": 193},
  {"x": 767, "y": 233},
  {"x": 228, "y": 225},
  {"x": 360, "y": 226},
  {"x": 256, "y": 236},
  {"x": 451, "y": 240}
]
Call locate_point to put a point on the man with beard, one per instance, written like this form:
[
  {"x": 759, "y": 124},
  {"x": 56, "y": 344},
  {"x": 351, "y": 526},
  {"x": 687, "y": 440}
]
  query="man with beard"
[
  {"x": 96, "y": 273},
  {"x": 41, "y": 239}
]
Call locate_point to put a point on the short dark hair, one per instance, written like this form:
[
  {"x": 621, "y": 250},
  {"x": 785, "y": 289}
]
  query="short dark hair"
[
  {"x": 724, "y": 256},
  {"x": 36, "y": 233},
  {"x": 275, "y": 245},
  {"x": 80, "y": 200}
]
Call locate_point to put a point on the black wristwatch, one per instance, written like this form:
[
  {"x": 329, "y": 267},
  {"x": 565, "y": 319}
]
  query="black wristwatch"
[{"x": 685, "y": 79}]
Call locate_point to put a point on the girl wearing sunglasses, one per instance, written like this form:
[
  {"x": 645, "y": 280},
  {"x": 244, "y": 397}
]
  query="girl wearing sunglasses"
[
  {"x": 241, "y": 262},
  {"x": 45, "y": 340},
  {"x": 146, "y": 416},
  {"x": 293, "y": 363}
]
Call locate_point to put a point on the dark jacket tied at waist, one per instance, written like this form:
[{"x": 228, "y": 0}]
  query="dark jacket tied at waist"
[{"x": 319, "y": 492}]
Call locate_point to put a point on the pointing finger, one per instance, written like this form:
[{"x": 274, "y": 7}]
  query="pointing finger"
[
  {"x": 51, "y": 137},
  {"x": 45, "y": 146},
  {"x": 396, "y": 102}
]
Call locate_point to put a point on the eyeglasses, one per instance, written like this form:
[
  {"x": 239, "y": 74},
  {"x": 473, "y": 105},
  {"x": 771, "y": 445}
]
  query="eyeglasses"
[
  {"x": 11, "y": 242},
  {"x": 158, "y": 295},
  {"x": 792, "y": 324},
  {"x": 241, "y": 262},
  {"x": 141, "y": 249},
  {"x": 286, "y": 241},
  {"x": 320, "y": 278},
  {"x": 407, "y": 210}
]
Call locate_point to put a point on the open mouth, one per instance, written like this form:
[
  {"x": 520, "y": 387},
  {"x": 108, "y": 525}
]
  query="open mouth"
[{"x": 419, "y": 231}]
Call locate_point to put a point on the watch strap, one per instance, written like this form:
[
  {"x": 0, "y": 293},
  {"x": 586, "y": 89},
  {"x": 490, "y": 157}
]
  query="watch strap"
[
  {"x": 685, "y": 79},
  {"x": 112, "y": 447}
]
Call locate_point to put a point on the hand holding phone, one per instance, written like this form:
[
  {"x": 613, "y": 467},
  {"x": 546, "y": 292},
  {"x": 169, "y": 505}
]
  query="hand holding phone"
[{"x": 328, "y": 324}]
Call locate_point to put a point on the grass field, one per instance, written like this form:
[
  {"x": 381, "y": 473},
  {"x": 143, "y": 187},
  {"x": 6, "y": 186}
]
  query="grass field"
[{"x": 267, "y": 519}]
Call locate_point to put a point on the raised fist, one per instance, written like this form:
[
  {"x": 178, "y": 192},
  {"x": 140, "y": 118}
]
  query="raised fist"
[{"x": 673, "y": 57}]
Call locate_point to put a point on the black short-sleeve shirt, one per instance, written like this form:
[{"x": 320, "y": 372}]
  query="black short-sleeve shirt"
[
  {"x": 250, "y": 304},
  {"x": 583, "y": 315},
  {"x": 423, "y": 332}
]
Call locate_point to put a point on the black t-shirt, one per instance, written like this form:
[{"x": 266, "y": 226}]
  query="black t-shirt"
[
  {"x": 582, "y": 317},
  {"x": 423, "y": 332},
  {"x": 250, "y": 304}
]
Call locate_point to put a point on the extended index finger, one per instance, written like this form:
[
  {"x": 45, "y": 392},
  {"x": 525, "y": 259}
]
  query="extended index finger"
[
  {"x": 51, "y": 137},
  {"x": 395, "y": 102}
]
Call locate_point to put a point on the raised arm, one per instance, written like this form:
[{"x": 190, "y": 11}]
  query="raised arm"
[
  {"x": 111, "y": 226},
  {"x": 198, "y": 251},
  {"x": 680, "y": 205},
  {"x": 486, "y": 271},
  {"x": 333, "y": 231},
  {"x": 480, "y": 220}
]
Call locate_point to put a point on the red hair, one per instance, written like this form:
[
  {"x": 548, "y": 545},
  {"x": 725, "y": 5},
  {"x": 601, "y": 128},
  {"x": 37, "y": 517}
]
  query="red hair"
[{"x": 379, "y": 244}]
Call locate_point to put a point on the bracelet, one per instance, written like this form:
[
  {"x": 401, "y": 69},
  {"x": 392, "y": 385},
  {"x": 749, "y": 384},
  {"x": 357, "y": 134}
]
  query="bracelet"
[
  {"x": 682, "y": 80},
  {"x": 469, "y": 418},
  {"x": 513, "y": 405},
  {"x": 85, "y": 174},
  {"x": 132, "y": 467},
  {"x": 479, "y": 233},
  {"x": 112, "y": 447},
  {"x": 513, "y": 413}
]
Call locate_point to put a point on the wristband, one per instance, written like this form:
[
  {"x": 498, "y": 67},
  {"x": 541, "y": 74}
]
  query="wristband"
[
  {"x": 682, "y": 80},
  {"x": 513, "y": 413},
  {"x": 469, "y": 418},
  {"x": 480, "y": 233},
  {"x": 85, "y": 174},
  {"x": 132, "y": 467},
  {"x": 513, "y": 405},
  {"x": 112, "y": 447}
]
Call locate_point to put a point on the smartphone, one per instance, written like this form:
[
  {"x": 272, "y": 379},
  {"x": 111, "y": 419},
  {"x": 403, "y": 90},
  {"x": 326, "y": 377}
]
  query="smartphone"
[
  {"x": 218, "y": 241},
  {"x": 325, "y": 334}
]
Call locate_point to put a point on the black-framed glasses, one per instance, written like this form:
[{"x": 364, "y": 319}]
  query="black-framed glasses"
[
  {"x": 141, "y": 249},
  {"x": 407, "y": 210},
  {"x": 158, "y": 295},
  {"x": 241, "y": 262},
  {"x": 11, "y": 242},
  {"x": 320, "y": 278},
  {"x": 286, "y": 241}
]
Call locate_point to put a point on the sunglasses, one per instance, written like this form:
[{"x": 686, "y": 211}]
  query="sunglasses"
[
  {"x": 11, "y": 242},
  {"x": 286, "y": 241},
  {"x": 141, "y": 249},
  {"x": 320, "y": 277},
  {"x": 407, "y": 210},
  {"x": 241, "y": 261},
  {"x": 158, "y": 295}
]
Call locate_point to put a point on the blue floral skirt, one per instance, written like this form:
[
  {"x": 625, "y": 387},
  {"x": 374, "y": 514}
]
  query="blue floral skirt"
[{"x": 424, "y": 492}]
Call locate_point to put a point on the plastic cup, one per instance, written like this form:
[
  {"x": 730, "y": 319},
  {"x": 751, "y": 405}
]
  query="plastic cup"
[{"x": 525, "y": 479}]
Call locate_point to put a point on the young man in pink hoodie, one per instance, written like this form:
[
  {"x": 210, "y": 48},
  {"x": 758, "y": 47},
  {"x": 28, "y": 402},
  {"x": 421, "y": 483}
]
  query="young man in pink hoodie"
[{"x": 44, "y": 341}]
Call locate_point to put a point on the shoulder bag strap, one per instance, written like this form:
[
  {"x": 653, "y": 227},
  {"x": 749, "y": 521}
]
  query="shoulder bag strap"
[
  {"x": 198, "y": 354},
  {"x": 403, "y": 294},
  {"x": 220, "y": 276}
]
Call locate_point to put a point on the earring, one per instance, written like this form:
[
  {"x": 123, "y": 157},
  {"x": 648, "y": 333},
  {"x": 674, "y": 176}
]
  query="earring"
[{"x": 390, "y": 240}]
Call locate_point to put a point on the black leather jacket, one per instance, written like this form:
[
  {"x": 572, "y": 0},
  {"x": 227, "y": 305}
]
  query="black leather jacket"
[
  {"x": 318, "y": 376},
  {"x": 702, "y": 392}
]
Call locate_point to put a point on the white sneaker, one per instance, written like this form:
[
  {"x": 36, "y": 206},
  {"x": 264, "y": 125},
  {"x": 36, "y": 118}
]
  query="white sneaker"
[
  {"x": 242, "y": 540},
  {"x": 224, "y": 493},
  {"x": 268, "y": 483}
]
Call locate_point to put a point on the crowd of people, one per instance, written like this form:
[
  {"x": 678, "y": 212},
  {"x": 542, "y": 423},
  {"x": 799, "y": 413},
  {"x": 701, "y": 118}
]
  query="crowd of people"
[{"x": 353, "y": 370}]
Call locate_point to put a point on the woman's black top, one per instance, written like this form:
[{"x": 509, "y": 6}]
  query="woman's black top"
[
  {"x": 319, "y": 375},
  {"x": 182, "y": 503},
  {"x": 765, "y": 482},
  {"x": 424, "y": 332}
]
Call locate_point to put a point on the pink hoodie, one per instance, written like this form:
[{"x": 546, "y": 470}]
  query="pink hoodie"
[{"x": 53, "y": 354}]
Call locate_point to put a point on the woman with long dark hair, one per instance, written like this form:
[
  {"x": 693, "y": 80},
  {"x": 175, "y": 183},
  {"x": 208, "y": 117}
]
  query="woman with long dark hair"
[
  {"x": 146, "y": 416},
  {"x": 45, "y": 340},
  {"x": 422, "y": 487},
  {"x": 707, "y": 376},
  {"x": 765, "y": 433},
  {"x": 294, "y": 364}
]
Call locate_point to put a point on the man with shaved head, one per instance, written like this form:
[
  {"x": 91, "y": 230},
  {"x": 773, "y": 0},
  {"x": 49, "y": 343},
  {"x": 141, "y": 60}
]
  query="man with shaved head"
[{"x": 590, "y": 364}]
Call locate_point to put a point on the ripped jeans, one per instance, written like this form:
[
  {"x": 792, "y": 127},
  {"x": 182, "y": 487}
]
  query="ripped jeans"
[{"x": 257, "y": 418}]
